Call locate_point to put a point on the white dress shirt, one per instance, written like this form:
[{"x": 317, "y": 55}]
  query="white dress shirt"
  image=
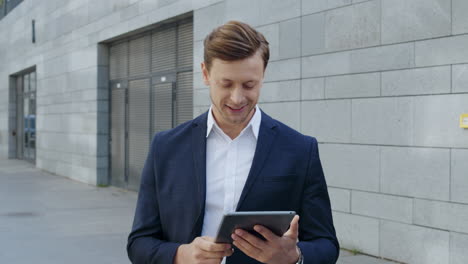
[{"x": 228, "y": 164}]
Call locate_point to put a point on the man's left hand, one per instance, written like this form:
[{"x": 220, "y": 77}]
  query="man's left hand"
[{"x": 274, "y": 249}]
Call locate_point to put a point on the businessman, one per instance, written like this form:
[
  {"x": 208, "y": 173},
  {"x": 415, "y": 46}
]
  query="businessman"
[{"x": 232, "y": 158}]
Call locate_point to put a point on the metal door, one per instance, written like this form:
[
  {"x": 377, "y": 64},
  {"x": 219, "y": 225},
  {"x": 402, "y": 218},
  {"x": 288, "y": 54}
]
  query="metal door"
[
  {"x": 151, "y": 91},
  {"x": 26, "y": 116}
]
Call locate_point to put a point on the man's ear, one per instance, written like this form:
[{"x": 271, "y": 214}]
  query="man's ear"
[{"x": 205, "y": 74}]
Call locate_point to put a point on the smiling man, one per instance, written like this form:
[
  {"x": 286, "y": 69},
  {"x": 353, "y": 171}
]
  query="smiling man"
[{"x": 232, "y": 158}]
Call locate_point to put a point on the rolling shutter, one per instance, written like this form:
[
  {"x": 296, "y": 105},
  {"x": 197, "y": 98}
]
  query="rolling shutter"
[{"x": 138, "y": 129}]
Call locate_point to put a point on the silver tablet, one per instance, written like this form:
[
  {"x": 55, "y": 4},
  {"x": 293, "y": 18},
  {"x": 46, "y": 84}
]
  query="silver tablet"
[{"x": 277, "y": 221}]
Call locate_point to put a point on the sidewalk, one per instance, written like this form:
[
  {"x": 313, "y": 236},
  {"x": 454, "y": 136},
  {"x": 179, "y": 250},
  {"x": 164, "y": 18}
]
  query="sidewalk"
[{"x": 50, "y": 219}]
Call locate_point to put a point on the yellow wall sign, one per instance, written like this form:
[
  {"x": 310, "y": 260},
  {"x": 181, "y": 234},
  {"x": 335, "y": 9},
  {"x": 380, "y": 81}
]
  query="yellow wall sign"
[{"x": 464, "y": 121}]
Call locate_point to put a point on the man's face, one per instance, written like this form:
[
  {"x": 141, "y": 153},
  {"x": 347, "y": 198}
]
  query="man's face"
[{"x": 234, "y": 88}]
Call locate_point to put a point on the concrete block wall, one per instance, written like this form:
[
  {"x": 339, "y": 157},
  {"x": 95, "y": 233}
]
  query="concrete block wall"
[
  {"x": 72, "y": 74},
  {"x": 381, "y": 84}
]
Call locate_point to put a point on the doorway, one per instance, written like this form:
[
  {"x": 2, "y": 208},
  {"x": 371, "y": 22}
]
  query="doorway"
[{"x": 25, "y": 131}]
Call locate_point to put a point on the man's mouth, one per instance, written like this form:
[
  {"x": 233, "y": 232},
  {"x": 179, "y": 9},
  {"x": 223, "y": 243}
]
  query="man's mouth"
[{"x": 236, "y": 109}]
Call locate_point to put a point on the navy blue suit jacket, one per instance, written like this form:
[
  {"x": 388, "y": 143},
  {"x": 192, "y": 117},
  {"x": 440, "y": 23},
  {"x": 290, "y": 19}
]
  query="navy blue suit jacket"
[{"x": 286, "y": 175}]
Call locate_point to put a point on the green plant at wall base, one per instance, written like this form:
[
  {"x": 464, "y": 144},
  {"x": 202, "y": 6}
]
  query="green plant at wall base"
[
  {"x": 1, "y": 2},
  {"x": 100, "y": 185},
  {"x": 355, "y": 252}
]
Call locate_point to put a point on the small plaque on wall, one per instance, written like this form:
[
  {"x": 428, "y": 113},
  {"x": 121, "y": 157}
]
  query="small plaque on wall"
[{"x": 464, "y": 121}]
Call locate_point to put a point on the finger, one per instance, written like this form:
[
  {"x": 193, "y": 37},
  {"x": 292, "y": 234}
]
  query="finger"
[
  {"x": 214, "y": 254},
  {"x": 206, "y": 244},
  {"x": 247, "y": 248},
  {"x": 293, "y": 231},
  {"x": 253, "y": 240},
  {"x": 266, "y": 233}
]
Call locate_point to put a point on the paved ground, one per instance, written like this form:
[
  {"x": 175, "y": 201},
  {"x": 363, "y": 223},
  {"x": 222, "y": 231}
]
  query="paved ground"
[{"x": 50, "y": 219}]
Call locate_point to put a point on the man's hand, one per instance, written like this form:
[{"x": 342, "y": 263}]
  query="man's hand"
[
  {"x": 202, "y": 250},
  {"x": 275, "y": 249}
]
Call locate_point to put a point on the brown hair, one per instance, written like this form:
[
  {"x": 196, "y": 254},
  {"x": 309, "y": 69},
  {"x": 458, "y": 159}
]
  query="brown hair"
[{"x": 235, "y": 41}]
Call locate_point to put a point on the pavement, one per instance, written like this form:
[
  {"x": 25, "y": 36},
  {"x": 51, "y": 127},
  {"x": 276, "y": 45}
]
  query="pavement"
[{"x": 45, "y": 218}]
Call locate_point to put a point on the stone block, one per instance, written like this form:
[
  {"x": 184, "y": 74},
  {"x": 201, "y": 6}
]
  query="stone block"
[
  {"x": 309, "y": 7},
  {"x": 100, "y": 9},
  {"x": 244, "y": 10},
  {"x": 198, "y": 110},
  {"x": 129, "y": 12},
  {"x": 283, "y": 70},
  {"x": 286, "y": 112},
  {"x": 413, "y": 244},
  {"x": 206, "y": 19},
  {"x": 459, "y": 172},
  {"x": 383, "y": 58},
  {"x": 272, "y": 11},
  {"x": 198, "y": 81},
  {"x": 83, "y": 58},
  {"x": 201, "y": 97},
  {"x": 272, "y": 35},
  {"x": 351, "y": 166},
  {"x": 356, "y": 85},
  {"x": 459, "y": 17},
  {"x": 313, "y": 34},
  {"x": 357, "y": 232},
  {"x": 352, "y": 27},
  {"x": 86, "y": 78},
  {"x": 460, "y": 78},
  {"x": 313, "y": 89},
  {"x": 198, "y": 53},
  {"x": 391, "y": 207},
  {"x": 404, "y": 20},
  {"x": 328, "y": 120},
  {"x": 437, "y": 120},
  {"x": 415, "y": 171},
  {"x": 290, "y": 38},
  {"x": 340, "y": 199},
  {"x": 441, "y": 215},
  {"x": 440, "y": 51},
  {"x": 458, "y": 246},
  {"x": 431, "y": 80},
  {"x": 372, "y": 123},
  {"x": 280, "y": 91},
  {"x": 391, "y": 57},
  {"x": 326, "y": 64}
]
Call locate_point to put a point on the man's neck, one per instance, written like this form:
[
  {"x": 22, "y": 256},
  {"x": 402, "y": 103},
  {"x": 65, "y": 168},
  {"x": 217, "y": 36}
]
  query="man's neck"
[{"x": 233, "y": 130}]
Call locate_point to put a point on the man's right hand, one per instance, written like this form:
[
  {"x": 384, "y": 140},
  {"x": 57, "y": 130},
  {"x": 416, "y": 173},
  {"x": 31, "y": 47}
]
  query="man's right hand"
[{"x": 202, "y": 250}]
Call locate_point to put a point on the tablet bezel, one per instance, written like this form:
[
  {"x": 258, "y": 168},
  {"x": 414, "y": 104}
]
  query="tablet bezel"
[{"x": 277, "y": 221}]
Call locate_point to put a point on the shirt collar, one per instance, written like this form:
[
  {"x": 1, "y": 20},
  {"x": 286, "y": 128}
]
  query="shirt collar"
[{"x": 254, "y": 122}]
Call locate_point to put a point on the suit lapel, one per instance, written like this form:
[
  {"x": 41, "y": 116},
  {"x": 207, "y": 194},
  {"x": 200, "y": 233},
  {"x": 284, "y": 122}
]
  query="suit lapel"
[
  {"x": 265, "y": 140},
  {"x": 199, "y": 161}
]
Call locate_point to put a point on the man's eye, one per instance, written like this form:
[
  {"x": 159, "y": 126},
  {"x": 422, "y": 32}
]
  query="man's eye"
[{"x": 249, "y": 86}]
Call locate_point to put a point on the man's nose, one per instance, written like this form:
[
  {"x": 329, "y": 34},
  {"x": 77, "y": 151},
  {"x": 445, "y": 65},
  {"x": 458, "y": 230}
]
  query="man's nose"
[{"x": 237, "y": 96}]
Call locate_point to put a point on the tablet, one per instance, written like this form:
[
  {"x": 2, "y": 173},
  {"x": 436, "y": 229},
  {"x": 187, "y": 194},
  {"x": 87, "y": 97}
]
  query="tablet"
[{"x": 277, "y": 221}]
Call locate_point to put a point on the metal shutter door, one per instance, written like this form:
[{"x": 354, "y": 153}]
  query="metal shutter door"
[
  {"x": 163, "y": 50},
  {"x": 118, "y": 137},
  {"x": 185, "y": 45},
  {"x": 138, "y": 129},
  {"x": 162, "y": 106},
  {"x": 184, "y": 103},
  {"x": 118, "y": 60},
  {"x": 139, "y": 56}
]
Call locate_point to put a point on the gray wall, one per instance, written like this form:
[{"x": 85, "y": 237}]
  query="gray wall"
[{"x": 380, "y": 83}]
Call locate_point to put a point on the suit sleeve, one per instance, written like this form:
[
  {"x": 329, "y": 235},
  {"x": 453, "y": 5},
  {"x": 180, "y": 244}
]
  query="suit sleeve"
[
  {"x": 317, "y": 238},
  {"x": 145, "y": 244}
]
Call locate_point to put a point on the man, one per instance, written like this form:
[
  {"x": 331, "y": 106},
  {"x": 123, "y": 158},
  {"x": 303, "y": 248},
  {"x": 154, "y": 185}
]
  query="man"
[{"x": 232, "y": 158}]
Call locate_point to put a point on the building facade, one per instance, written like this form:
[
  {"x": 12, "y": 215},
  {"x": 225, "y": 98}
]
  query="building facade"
[{"x": 380, "y": 83}]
